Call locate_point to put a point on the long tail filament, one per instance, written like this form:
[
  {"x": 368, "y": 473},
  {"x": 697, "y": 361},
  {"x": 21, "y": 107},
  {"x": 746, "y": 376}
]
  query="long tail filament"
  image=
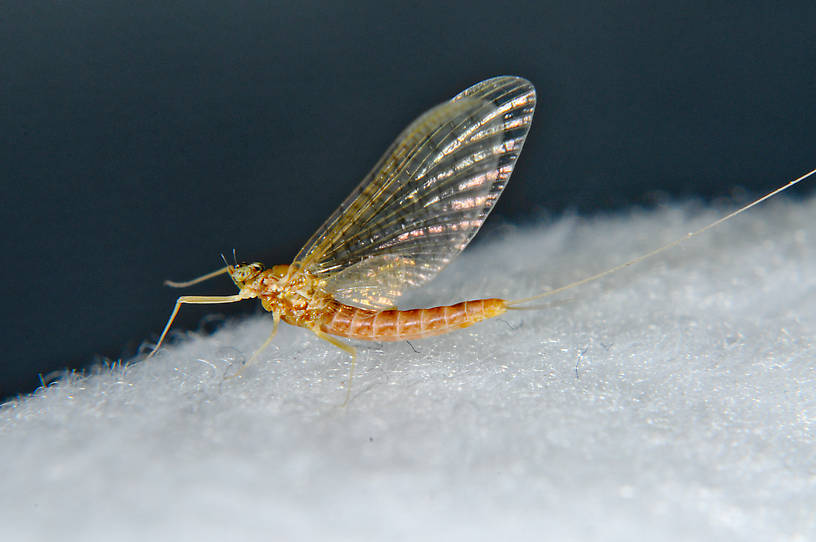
[{"x": 657, "y": 251}]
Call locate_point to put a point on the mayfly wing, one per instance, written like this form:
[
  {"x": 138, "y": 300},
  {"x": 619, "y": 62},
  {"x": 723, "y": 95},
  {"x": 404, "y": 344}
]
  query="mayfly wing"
[{"x": 425, "y": 199}]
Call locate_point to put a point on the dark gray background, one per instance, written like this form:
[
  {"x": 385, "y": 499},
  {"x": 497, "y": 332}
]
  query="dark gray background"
[{"x": 140, "y": 140}]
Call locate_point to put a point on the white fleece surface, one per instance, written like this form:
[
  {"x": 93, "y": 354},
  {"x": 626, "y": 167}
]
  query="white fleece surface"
[{"x": 674, "y": 401}]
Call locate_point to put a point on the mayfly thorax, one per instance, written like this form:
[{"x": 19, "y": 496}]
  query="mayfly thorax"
[{"x": 411, "y": 215}]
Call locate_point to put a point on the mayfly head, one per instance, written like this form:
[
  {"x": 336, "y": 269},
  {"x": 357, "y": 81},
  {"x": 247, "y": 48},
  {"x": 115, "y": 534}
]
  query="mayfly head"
[{"x": 243, "y": 273}]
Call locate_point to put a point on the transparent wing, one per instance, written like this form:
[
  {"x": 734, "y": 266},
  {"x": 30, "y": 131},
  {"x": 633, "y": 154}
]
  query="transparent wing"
[{"x": 425, "y": 199}]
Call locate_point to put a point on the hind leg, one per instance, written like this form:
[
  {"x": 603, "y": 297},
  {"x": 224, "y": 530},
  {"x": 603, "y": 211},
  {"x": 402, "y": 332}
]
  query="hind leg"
[{"x": 346, "y": 348}]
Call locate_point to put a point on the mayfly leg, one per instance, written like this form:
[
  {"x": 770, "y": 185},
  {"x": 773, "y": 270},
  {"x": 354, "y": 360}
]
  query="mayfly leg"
[
  {"x": 196, "y": 280},
  {"x": 346, "y": 348},
  {"x": 266, "y": 343},
  {"x": 194, "y": 300}
]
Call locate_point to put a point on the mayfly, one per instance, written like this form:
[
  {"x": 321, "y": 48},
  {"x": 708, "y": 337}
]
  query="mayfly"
[{"x": 411, "y": 215}]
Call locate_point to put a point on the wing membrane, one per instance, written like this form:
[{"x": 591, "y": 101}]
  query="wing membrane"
[{"x": 425, "y": 198}]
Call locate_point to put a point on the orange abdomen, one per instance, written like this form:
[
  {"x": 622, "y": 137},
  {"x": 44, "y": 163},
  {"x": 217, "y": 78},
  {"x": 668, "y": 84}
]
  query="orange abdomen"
[{"x": 396, "y": 325}]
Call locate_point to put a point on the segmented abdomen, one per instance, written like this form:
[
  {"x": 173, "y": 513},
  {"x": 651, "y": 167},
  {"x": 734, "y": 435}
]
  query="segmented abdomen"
[{"x": 396, "y": 325}]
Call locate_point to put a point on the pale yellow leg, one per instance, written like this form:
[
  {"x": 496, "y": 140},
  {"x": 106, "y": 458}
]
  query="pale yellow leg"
[
  {"x": 202, "y": 278},
  {"x": 268, "y": 341},
  {"x": 347, "y": 348},
  {"x": 263, "y": 347},
  {"x": 194, "y": 299}
]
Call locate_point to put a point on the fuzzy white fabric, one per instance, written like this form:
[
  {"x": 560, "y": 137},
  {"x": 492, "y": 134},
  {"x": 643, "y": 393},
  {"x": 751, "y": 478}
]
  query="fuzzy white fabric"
[{"x": 675, "y": 400}]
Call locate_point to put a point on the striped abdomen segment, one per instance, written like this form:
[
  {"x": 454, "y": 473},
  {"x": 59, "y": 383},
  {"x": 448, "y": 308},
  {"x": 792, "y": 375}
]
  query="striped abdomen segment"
[{"x": 396, "y": 325}]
